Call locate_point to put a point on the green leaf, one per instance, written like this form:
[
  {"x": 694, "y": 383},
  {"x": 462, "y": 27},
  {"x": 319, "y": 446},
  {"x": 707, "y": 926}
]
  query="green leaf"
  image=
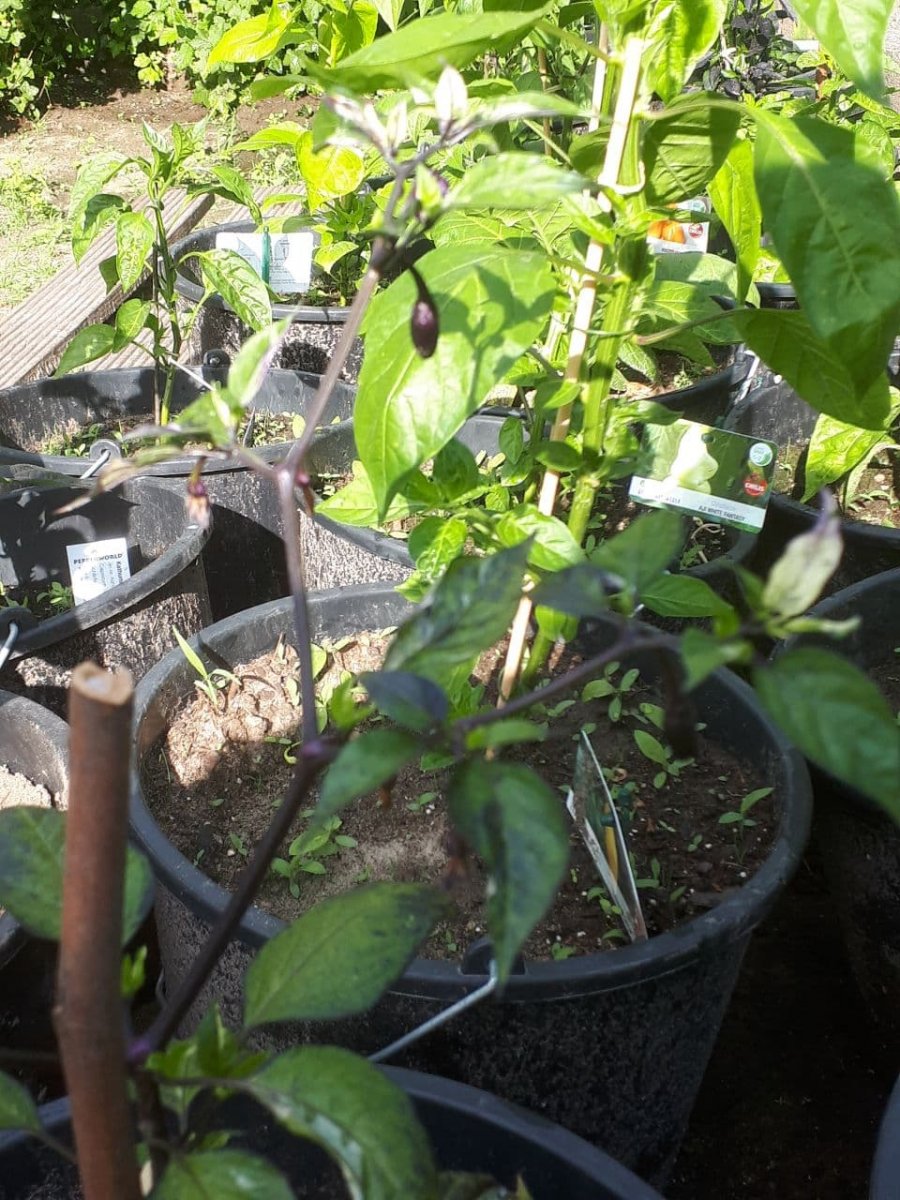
[
  {"x": 93, "y": 175},
  {"x": 455, "y": 471},
  {"x": 837, "y": 717},
  {"x": 282, "y": 133},
  {"x": 221, "y": 1174},
  {"x": 651, "y": 747},
  {"x": 408, "y": 699},
  {"x": 577, "y": 591},
  {"x": 508, "y": 732},
  {"x": 32, "y": 844},
  {"x": 253, "y": 39},
  {"x": 470, "y": 610},
  {"x": 685, "y": 147},
  {"x": 249, "y": 369},
  {"x": 354, "y": 1111},
  {"x": 796, "y": 580},
  {"x": 514, "y": 180},
  {"x": 853, "y": 32},
  {"x": 330, "y": 172},
  {"x": 88, "y": 344},
  {"x": 239, "y": 285},
  {"x": 344, "y": 30},
  {"x": 134, "y": 246},
  {"x": 355, "y": 503},
  {"x": 553, "y": 546},
  {"x": 93, "y": 218},
  {"x": 363, "y": 764},
  {"x": 642, "y": 552},
  {"x": 436, "y": 542},
  {"x": 338, "y": 958},
  {"x": 17, "y": 1109},
  {"x": 421, "y": 50},
  {"x": 557, "y": 456},
  {"x": 511, "y": 439},
  {"x": 131, "y": 318},
  {"x": 492, "y": 304},
  {"x": 785, "y": 341},
  {"x": 702, "y": 654},
  {"x": 683, "y": 596},
  {"x": 835, "y": 224},
  {"x": 515, "y": 824},
  {"x": 835, "y": 448},
  {"x": 687, "y": 30},
  {"x": 389, "y": 11},
  {"x": 733, "y": 195}
]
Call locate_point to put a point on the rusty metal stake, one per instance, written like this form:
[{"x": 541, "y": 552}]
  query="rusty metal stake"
[{"x": 88, "y": 1014}]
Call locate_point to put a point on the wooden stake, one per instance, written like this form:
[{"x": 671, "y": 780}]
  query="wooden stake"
[
  {"x": 88, "y": 1015},
  {"x": 584, "y": 309}
]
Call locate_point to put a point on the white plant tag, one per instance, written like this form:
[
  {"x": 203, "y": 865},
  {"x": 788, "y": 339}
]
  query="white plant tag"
[
  {"x": 591, "y": 808},
  {"x": 95, "y": 567},
  {"x": 681, "y": 237},
  {"x": 711, "y": 473},
  {"x": 290, "y": 257}
]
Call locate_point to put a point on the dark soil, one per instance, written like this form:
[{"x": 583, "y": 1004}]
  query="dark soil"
[{"x": 213, "y": 785}]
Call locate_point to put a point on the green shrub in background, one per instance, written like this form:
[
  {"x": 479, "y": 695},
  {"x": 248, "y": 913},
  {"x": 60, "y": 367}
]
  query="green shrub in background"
[
  {"x": 159, "y": 39},
  {"x": 166, "y": 37}
]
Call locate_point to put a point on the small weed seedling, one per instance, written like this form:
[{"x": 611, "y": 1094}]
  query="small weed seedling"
[
  {"x": 610, "y": 911},
  {"x": 653, "y": 749},
  {"x": 306, "y": 852},
  {"x": 58, "y": 596},
  {"x": 210, "y": 683},
  {"x": 559, "y": 952},
  {"x": 740, "y": 821},
  {"x": 599, "y": 689},
  {"x": 423, "y": 802},
  {"x": 659, "y": 880}
]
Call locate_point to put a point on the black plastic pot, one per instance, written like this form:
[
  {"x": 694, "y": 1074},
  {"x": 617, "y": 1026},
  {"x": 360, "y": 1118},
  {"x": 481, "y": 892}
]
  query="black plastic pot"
[
  {"x": 776, "y": 412},
  {"x": 244, "y": 558},
  {"x": 612, "y": 1046},
  {"x": 33, "y": 743},
  {"x": 315, "y": 329},
  {"x": 885, "y": 1181},
  {"x": 777, "y": 295},
  {"x": 130, "y": 625},
  {"x": 469, "y": 1131},
  {"x": 859, "y": 843}
]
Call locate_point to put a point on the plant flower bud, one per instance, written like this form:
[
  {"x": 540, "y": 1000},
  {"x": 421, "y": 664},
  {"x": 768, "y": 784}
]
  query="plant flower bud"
[
  {"x": 423, "y": 325},
  {"x": 197, "y": 503}
]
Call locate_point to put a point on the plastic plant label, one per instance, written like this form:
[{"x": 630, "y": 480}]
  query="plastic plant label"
[
  {"x": 591, "y": 807},
  {"x": 95, "y": 567},
  {"x": 681, "y": 237},
  {"x": 285, "y": 264},
  {"x": 711, "y": 473}
]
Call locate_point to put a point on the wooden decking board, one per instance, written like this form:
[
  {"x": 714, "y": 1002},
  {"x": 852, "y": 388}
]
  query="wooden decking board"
[{"x": 35, "y": 334}]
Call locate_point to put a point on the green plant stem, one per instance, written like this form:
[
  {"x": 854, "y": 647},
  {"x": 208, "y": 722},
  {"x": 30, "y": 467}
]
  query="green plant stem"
[
  {"x": 292, "y": 464},
  {"x": 164, "y": 287},
  {"x": 622, "y": 158}
]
